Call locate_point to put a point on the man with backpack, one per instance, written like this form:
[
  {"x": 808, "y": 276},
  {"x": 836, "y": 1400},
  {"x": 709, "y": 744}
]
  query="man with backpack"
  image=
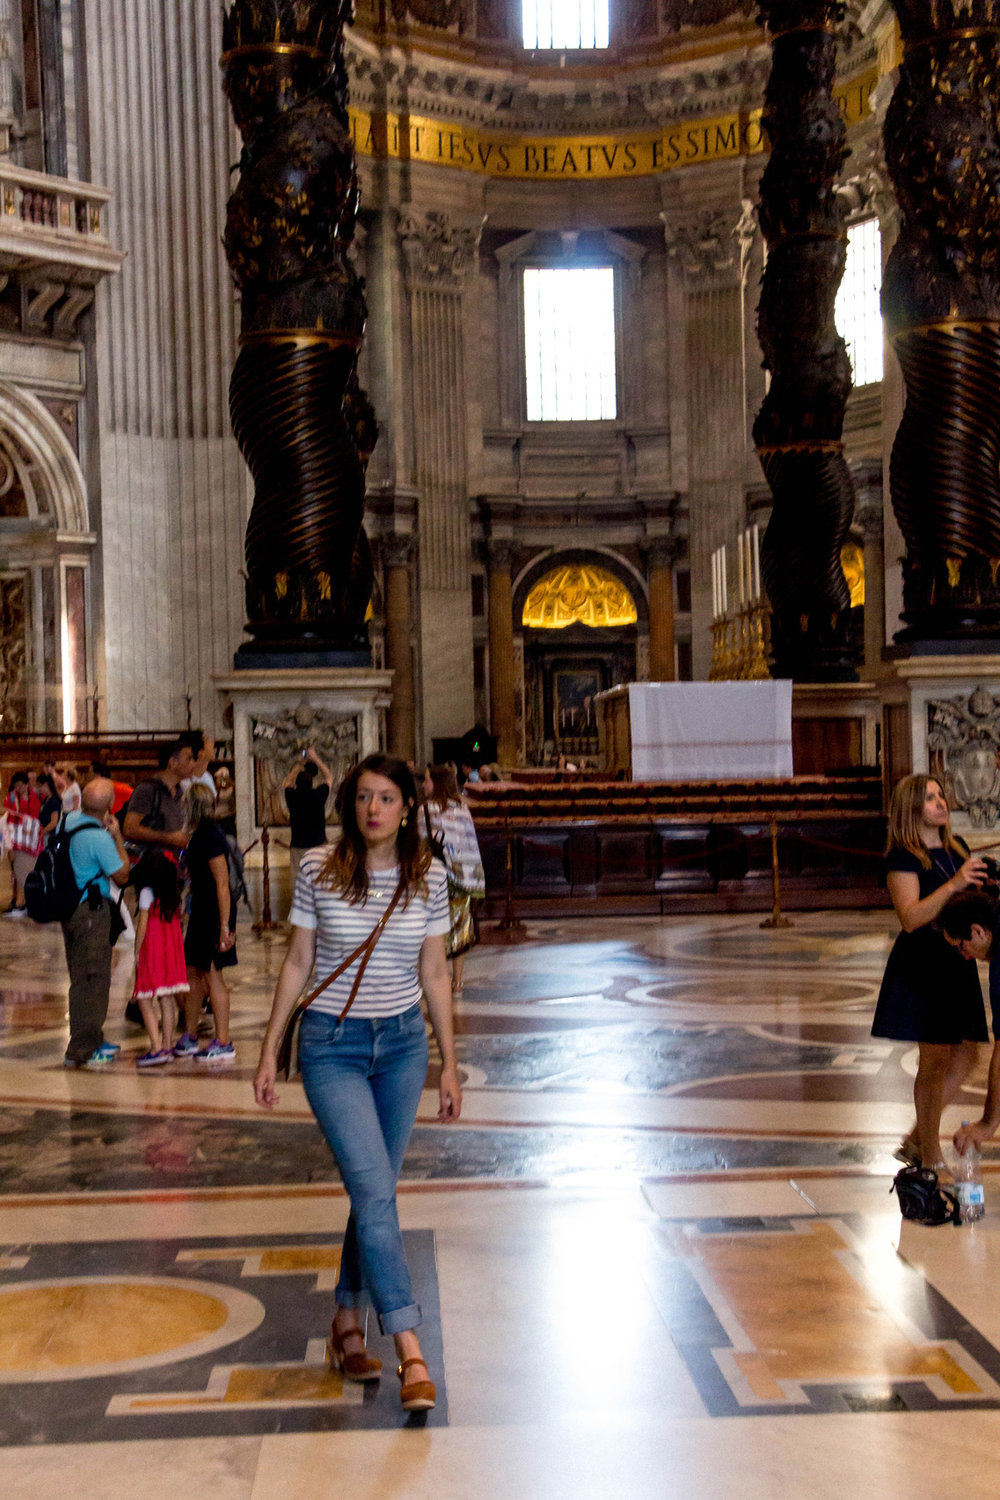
[
  {"x": 97, "y": 854},
  {"x": 154, "y": 816}
]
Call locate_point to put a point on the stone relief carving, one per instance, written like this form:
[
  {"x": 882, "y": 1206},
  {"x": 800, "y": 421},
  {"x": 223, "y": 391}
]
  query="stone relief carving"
[
  {"x": 277, "y": 740},
  {"x": 963, "y": 734},
  {"x": 436, "y": 249}
]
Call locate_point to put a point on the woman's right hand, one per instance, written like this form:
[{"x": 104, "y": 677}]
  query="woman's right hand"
[
  {"x": 265, "y": 1079},
  {"x": 972, "y": 873}
]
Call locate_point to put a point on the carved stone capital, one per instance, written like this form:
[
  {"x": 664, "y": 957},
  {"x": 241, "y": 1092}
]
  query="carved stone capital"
[
  {"x": 869, "y": 519},
  {"x": 397, "y": 549},
  {"x": 436, "y": 248},
  {"x": 661, "y": 551},
  {"x": 501, "y": 554},
  {"x": 704, "y": 243}
]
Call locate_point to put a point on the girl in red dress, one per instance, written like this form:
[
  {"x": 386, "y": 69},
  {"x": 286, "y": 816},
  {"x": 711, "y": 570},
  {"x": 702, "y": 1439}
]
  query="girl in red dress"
[{"x": 160, "y": 972}]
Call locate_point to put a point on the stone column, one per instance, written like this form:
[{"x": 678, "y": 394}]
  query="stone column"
[
  {"x": 660, "y": 577},
  {"x": 503, "y": 712},
  {"x": 401, "y": 720},
  {"x": 439, "y": 260}
]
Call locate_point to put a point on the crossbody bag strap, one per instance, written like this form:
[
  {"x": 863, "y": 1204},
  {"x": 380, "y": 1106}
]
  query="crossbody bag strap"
[{"x": 363, "y": 951}]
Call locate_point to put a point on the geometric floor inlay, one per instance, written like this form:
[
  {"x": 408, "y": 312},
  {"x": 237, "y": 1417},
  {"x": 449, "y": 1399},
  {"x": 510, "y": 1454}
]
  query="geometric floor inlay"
[
  {"x": 183, "y": 1338},
  {"x": 805, "y": 1316}
]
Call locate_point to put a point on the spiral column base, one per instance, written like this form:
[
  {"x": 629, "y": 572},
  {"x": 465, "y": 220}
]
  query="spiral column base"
[
  {"x": 813, "y": 635},
  {"x": 945, "y": 478},
  {"x": 308, "y": 565}
]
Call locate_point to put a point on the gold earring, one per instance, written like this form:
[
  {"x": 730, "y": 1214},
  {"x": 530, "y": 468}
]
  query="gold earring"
[{"x": 404, "y": 822}]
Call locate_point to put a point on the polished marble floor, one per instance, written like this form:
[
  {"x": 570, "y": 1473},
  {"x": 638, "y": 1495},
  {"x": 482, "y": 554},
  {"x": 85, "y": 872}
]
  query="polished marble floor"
[{"x": 658, "y": 1255}]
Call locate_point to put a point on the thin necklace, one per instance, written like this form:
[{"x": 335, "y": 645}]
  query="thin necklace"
[{"x": 374, "y": 884}]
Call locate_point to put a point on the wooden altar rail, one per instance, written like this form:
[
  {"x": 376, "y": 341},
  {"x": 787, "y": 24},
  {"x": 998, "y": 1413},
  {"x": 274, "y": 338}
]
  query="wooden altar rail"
[{"x": 668, "y": 866}]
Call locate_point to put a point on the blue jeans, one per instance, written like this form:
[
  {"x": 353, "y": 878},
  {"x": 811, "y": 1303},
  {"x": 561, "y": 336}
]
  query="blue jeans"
[{"x": 363, "y": 1080}]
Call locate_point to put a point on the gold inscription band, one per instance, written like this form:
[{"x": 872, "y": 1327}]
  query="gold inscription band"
[{"x": 578, "y": 158}]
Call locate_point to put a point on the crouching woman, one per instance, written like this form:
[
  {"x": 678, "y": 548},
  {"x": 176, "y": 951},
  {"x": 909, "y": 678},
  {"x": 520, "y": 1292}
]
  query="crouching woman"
[{"x": 364, "y": 1072}]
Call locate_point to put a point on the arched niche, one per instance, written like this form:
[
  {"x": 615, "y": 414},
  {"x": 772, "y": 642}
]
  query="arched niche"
[
  {"x": 46, "y": 651},
  {"x": 604, "y": 615}
]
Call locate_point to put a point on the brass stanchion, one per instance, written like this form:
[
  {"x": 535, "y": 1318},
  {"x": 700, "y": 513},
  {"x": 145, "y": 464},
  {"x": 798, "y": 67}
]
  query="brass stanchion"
[
  {"x": 265, "y": 924},
  {"x": 509, "y": 929},
  {"x": 775, "y": 919}
]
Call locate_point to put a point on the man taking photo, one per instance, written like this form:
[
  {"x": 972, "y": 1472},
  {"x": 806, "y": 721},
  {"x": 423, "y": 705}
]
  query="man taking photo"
[{"x": 971, "y": 923}]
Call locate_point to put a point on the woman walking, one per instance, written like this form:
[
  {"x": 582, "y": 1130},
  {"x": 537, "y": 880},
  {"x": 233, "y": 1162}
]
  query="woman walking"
[
  {"x": 449, "y": 827},
  {"x": 930, "y": 994},
  {"x": 364, "y": 1072}
]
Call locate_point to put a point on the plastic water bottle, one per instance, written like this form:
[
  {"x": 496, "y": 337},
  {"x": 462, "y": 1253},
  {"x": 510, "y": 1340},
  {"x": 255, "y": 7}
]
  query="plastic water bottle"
[{"x": 969, "y": 1186}]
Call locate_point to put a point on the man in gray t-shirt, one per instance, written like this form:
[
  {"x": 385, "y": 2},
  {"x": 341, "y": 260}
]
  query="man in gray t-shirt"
[{"x": 156, "y": 812}]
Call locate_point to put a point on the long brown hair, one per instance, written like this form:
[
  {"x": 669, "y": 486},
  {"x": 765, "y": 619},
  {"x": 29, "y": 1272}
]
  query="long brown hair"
[
  {"x": 905, "y": 813},
  {"x": 445, "y": 785},
  {"x": 345, "y": 868}
]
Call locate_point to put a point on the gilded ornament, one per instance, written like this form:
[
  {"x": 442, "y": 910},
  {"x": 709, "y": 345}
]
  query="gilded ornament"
[{"x": 578, "y": 594}]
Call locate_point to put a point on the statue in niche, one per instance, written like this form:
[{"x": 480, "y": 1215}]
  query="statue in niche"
[
  {"x": 277, "y": 743},
  {"x": 963, "y": 736}
]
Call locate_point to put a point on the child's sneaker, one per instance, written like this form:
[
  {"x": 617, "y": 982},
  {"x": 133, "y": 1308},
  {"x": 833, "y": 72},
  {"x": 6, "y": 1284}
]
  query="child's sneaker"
[
  {"x": 186, "y": 1046},
  {"x": 154, "y": 1059},
  {"x": 217, "y": 1052},
  {"x": 110, "y": 1050}
]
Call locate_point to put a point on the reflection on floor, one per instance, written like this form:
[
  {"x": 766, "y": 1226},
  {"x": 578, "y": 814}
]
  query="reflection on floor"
[{"x": 663, "y": 1218}]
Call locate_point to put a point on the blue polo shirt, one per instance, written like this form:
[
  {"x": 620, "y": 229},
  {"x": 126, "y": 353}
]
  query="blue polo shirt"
[{"x": 92, "y": 853}]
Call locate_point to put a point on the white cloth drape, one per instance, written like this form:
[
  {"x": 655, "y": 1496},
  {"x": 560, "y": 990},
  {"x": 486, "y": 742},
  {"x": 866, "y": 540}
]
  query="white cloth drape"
[{"x": 710, "y": 731}]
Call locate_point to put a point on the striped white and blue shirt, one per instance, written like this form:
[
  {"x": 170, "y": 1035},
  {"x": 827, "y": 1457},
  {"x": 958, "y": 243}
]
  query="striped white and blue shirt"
[{"x": 391, "y": 983}]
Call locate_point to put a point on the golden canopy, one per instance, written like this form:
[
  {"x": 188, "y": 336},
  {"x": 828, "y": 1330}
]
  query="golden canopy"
[{"x": 578, "y": 594}]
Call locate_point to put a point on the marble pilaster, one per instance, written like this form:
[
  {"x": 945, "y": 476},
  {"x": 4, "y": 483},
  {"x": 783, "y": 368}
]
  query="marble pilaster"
[{"x": 439, "y": 253}]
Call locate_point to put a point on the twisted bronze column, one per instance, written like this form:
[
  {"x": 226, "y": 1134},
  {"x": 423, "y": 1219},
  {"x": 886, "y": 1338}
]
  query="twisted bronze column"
[
  {"x": 798, "y": 428},
  {"x": 941, "y": 300},
  {"x": 289, "y": 223}
]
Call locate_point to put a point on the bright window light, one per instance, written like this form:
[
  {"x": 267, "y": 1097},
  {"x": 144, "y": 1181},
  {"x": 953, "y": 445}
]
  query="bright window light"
[
  {"x": 565, "y": 23},
  {"x": 858, "y": 315},
  {"x": 569, "y": 344}
]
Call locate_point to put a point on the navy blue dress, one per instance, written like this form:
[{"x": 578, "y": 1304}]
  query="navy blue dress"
[{"x": 929, "y": 993}]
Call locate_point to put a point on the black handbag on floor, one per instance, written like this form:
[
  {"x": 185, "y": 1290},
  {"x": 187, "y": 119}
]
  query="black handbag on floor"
[{"x": 922, "y": 1199}]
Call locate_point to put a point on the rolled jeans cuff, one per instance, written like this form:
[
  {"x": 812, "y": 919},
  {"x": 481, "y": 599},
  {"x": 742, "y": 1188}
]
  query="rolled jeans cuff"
[{"x": 400, "y": 1319}]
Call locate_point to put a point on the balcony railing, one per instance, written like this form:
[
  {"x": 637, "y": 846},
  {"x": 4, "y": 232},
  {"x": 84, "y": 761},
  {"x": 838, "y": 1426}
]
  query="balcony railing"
[{"x": 53, "y": 220}]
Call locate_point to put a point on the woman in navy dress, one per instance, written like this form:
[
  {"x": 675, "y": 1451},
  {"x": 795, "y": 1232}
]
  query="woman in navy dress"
[{"x": 930, "y": 994}]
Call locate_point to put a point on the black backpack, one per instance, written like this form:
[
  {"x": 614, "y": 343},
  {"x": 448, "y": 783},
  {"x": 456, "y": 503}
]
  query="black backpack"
[{"x": 51, "y": 893}]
